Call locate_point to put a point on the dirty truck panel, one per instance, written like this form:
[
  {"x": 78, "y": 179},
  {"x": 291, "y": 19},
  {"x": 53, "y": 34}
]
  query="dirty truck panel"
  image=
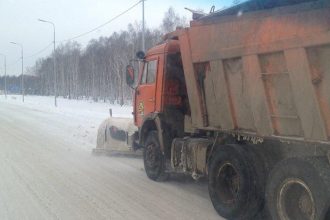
[{"x": 266, "y": 72}]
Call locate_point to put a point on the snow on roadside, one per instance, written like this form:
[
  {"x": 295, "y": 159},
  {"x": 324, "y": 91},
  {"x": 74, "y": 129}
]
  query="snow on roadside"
[
  {"x": 85, "y": 115},
  {"x": 68, "y": 107}
]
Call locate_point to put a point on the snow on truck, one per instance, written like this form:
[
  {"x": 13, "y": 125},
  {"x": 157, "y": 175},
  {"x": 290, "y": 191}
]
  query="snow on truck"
[{"x": 241, "y": 97}]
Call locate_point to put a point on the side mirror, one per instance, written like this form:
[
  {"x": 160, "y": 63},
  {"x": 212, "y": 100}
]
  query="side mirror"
[
  {"x": 140, "y": 55},
  {"x": 130, "y": 79}
]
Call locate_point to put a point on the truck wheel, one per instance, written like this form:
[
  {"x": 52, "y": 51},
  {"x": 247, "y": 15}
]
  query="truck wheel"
[
  {"x": 235, "y": 185},
  {"x": 153, "y": 158},
  {"x": 299, "y": 189}
]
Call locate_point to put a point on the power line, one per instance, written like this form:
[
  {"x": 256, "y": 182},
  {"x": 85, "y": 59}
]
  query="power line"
[
  {"x": 40, "y": 51},
  {"x": 104, "y": 24},
  {"x": 30, "y": 56},
  {"x": 13, "y": 63},
  {"x": 80, "y": 35}
]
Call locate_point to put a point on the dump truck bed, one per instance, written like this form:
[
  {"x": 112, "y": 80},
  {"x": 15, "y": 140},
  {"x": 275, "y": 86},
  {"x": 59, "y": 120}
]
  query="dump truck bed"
[{"x": 263, "y": 72}]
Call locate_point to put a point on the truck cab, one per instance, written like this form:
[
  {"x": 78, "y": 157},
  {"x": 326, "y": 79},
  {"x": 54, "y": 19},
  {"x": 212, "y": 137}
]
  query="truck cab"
[
  {"x": 161, "y": 94},
  {"x": 160, "y": 82}
]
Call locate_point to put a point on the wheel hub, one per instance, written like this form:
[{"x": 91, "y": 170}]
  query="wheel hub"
[
  {"x": 305, "y": 204},
  {"x": 227, "y": 183},
  {"x": 151, "y": 155},
  {"x": 295, "y": 201}
]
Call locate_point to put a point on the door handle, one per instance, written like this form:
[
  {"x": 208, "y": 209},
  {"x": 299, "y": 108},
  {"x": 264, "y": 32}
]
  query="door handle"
[{"x": 151, "y": 100}]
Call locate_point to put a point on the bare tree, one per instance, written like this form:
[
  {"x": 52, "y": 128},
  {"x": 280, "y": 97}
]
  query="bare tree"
[
  {"x": 172, "y": 20},
  {"x": 98, "y": 70}
]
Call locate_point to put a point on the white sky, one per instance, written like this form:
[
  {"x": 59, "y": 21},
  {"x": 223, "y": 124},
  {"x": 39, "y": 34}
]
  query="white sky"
[{"x": 18, "y": 22}]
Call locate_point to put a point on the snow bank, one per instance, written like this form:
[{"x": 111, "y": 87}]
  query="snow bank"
[
  {"x": 80, "y": 118},
  {"x": 88, "y": 108}
]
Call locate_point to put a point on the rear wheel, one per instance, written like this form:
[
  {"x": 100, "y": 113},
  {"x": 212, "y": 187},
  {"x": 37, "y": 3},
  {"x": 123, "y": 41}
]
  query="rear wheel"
[
  {"x": 235, "y": 185},
  {"x": 153, "y": 158},
  {"x": 299, "y": 189}
]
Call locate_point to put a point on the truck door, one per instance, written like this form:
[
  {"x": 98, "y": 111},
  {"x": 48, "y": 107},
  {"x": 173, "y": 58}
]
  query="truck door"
[{"x": 146, "y": 91}]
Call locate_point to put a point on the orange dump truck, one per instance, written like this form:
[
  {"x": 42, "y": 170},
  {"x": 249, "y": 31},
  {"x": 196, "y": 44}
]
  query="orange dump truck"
[{"x": 242, "y": 97}]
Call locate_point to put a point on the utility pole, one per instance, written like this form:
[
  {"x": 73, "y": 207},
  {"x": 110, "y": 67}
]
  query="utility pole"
[
  {"x": 54, "y": 63},
  {"x": 5, "y": 66},
  {"x": 22, "y": 79},
  {"x": 143, "y": 28},
  {"x": 5, "y": 78}
]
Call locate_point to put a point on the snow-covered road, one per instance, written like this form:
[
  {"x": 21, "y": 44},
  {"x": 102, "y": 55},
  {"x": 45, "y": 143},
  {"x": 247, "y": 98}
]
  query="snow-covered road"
[{"x": 47, "y": 172}]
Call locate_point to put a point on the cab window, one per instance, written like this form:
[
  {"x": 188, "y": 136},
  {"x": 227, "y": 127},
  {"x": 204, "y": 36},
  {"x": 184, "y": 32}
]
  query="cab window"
[{"x": 149, "y": 72}]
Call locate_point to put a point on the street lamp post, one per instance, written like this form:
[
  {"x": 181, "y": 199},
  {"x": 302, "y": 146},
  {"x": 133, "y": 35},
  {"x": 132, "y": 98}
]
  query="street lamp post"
[
  {"x": 54, "y": 62},
  {"x": 5, "y": 69},
  {"x": 22, "y": 79},
  {"x": 143, "y": 28}
]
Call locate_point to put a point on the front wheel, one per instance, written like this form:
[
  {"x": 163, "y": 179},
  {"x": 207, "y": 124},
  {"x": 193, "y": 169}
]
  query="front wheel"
[
  {"x": 299, "y": 189},
  {"x": 154, "y": 159}
]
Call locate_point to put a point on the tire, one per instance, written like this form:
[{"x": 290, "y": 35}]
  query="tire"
[
  {"x": 236, "y": 186},
  {"x": 299, "y": 189},
  {"x": 154, "y": 159}
]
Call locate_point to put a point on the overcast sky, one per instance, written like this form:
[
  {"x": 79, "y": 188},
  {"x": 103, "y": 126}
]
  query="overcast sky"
[{"x": 18, "y": 22}]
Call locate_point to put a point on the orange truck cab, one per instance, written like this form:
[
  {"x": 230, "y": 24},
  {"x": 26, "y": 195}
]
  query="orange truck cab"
[
  {"x": 160, "y": 97},
  {"x": 160, "y": 81}
]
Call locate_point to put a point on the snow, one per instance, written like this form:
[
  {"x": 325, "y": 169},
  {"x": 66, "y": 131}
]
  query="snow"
[
  {"x": 99, "y": 110},
  {"x": 85, "y": 116},
  {"x": 48, "y": 172}
]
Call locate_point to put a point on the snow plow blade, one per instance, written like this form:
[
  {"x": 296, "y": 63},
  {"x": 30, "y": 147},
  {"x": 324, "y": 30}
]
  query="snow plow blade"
[{"x": 117, "y": 137}]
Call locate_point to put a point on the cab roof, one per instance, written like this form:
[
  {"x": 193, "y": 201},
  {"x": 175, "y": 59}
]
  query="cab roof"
[{"x": 168, "y": 46}]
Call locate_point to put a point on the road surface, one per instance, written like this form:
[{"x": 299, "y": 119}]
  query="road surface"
[{"x": 46, "y": 174}]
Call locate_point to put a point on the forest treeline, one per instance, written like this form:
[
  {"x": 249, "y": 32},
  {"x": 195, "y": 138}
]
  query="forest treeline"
[{"x": 96, "y": 71}]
